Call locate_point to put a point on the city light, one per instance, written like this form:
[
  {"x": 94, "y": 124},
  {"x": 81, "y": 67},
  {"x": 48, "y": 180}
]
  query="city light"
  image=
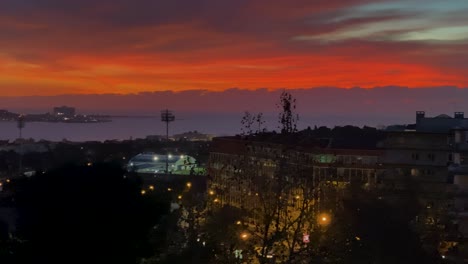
[
  {"x": 179, "y": 197},
  {"x": 151, "y": 187},
  {"x": 170, "y": 156},
  {"x": 181, "y": 156},
  {"x": 244, "y": 235},
  {"x": 8, "y": 180},
  {"x": 324, "y": 219},
  {"x": 155, "y": 158},
  {"x": 189, "y": 184},
  {"x": 216, "y": 200},
  {"x": 169, "y": 189},
  {"x": 238, "y": 222},
  {"x": 211, "y": 193},
  {"x": 143, "y": 192}
]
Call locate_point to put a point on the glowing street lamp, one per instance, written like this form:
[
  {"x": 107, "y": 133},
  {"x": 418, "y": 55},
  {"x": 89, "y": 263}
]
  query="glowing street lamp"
[
  {"x": 244, "y": 236},
  {"x": 324, "y": 219},
  {"x": 189, "y": 184}
]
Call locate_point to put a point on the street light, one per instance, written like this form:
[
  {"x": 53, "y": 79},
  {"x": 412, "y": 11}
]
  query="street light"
[
  {"x": 189, "y": 184},
  {"x": 244, "y": 236},
  {"x": 324, "y": 219}
]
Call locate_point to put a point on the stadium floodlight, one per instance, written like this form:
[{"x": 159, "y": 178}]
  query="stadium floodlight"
[{"x": 167, "y": 116}]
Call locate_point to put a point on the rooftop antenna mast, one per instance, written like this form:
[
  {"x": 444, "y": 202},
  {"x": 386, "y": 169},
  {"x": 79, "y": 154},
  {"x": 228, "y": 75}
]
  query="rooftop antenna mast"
[{"x": 167, "y": 116}]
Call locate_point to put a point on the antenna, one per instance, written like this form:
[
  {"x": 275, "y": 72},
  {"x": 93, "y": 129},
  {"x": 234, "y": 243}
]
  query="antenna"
[{"x": 167, "y": 116}]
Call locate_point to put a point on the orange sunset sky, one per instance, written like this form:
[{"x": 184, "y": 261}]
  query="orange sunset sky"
[{"x": 53, "y": 47}]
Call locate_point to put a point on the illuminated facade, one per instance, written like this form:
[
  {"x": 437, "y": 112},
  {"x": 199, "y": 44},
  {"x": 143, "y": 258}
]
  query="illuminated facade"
[
  {"x": 231, "y": 159},
  {"x": 156, "y": 163}
]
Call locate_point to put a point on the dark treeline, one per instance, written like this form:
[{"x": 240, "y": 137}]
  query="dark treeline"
[
  {"x": 337, "y": 137},
  {"x": 119, "y": 152}
]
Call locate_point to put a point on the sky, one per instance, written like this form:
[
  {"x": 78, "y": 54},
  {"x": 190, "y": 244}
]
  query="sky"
[
  {"x": 354, "y": 61},
  {"x": 55, "y": 47}
]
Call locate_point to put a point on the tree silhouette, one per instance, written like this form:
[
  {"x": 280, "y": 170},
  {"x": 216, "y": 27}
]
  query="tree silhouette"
[
  {"x": 81, "y": 214},
  {"x": 247, "y": 123},
  {"x": 287, "y": 117}
]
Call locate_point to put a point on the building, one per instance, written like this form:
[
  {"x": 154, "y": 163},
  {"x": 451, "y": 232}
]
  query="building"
[
  {"x": 286, "y": 182},
  {"x": 231, "y": 158},
  {"x": 431, "y": 156},
  {"x": 440, "y": 124},
  {"x": 64, "y": 111},
  {"x": 193, "y": 136}
]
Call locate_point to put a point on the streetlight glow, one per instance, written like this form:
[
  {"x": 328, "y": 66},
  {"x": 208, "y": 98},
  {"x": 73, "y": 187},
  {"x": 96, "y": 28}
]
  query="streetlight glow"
[{"x": 324, "y": 219}]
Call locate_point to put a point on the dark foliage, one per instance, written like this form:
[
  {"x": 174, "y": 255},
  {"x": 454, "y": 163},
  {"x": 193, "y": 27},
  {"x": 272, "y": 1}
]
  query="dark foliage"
[{"x": 80, "y": 214}]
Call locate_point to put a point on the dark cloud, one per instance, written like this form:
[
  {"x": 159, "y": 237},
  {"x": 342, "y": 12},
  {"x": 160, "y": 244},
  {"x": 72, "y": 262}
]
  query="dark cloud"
[
  {"x": 213, "y": 44},
  {"x": 398, "y": 102}
]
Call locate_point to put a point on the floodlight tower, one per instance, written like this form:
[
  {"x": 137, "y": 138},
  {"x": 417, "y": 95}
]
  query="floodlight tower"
[
  {"x": 20, "y": 127},
  {"x": 167, "y": 116}
]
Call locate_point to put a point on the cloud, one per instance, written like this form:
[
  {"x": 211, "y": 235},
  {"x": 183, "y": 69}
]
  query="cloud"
[
  {"x": 386, "y": 103},
  {"x": 124, "y": 46}
]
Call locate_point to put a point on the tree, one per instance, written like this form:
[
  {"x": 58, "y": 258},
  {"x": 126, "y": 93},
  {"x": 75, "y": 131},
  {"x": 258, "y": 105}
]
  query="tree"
[
  {"x": 247, "y": 123},
  {"x": 287, "y": 117},
  {"x": 260, "y": 123},
  {"x": 249, "y": 120},
  {"x": 85, "y": 214},
  {"x": 276, "y": 198},
  {"x": 369, "y": 229}
]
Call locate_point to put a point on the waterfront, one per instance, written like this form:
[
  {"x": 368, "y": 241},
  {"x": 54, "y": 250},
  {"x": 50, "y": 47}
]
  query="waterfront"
[
  {"x": 119, "y": 129},
  {"x": 139, "y": 127}
]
